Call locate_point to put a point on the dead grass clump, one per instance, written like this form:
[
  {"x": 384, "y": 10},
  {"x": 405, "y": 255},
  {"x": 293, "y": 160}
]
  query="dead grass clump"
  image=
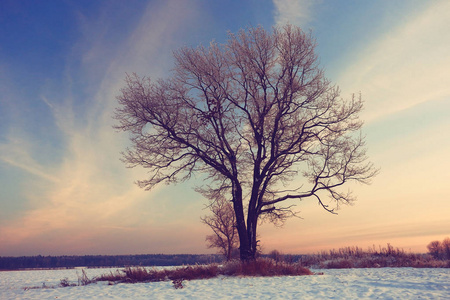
[
  {"x": 259, "y": 267},
  {"x": 66, "y": 283},
  {"x": 111, "y": 276},
  {"x": 264, "y": 267},
  {"x": 132, "y": 274},
  {"x": 194, "y": 272},
  {"x": 342, "y": 263},
  {"x": 83, "y": 279},
  {"x": 141, "y": 274}
]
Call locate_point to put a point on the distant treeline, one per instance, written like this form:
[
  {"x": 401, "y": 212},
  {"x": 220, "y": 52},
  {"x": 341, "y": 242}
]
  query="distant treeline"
[{"x": 44, "y": 262}]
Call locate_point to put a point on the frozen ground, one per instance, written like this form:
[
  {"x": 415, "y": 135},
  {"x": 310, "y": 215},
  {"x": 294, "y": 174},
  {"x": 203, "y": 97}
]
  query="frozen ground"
[{"x": 384, "y": 283}]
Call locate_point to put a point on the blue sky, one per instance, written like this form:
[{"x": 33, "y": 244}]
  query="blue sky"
[{"x": 63, "y": 189}]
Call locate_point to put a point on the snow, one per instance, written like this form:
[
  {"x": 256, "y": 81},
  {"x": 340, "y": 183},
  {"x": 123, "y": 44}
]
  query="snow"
[{"x": 383, "y": 283}]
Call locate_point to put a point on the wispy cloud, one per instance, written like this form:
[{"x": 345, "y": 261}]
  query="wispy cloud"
[
  {"x": 296, "y": 12},
  {"x": 17, "y": 153},
  {"x": 405, "y": 67},
  {"x": 47, "y": 102},
  {"x": 91, "y": 194}
]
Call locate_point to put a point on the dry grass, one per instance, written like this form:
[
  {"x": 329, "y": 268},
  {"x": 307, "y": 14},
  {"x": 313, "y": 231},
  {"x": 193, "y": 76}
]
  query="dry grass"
[
  {"x": 259, "y": 267},
  {"x": 141, "y": 274},
  {"x": 355, "y": 257},
  {"x": 264, "y": 267},
  {"x": 276, "y": 265},
  {"x": 83, "y": 279},
  {"x": 194, "y": 272}
]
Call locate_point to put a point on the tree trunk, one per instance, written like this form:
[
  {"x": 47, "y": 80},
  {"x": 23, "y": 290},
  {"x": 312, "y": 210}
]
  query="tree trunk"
[
  {"x": 244, "y": 242},
  {"x": 252, "y": 221}
]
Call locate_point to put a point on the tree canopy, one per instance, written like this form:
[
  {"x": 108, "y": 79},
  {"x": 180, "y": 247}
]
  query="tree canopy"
[{"x": 257, "y": 117}]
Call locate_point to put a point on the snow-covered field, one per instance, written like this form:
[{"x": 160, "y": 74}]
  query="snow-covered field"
[{"x": 384, "y": 283}]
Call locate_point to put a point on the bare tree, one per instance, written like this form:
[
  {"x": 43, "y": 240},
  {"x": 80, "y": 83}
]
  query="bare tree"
[
  {"x": 223, "y": 224},
  {"x": 446, "y": 248},
  {"x": 257, "y": 117},
  {"x": 435, "y": 249},
  {"x": 440, "y": 250}
]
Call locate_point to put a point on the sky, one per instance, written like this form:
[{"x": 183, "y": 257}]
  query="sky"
[{"x": 64, "y": 190}]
